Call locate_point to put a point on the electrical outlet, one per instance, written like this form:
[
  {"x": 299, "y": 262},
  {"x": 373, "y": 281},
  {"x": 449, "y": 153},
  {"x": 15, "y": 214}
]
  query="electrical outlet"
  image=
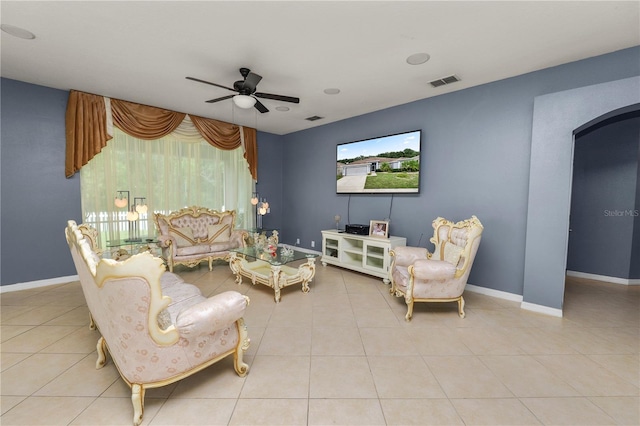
[
  {"x": 313, "y": 244},
  {"x": 297, "y": 240}
]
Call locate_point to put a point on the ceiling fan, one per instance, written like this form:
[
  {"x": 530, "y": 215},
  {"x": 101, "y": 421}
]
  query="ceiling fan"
[{"x": 246, "y": 96}]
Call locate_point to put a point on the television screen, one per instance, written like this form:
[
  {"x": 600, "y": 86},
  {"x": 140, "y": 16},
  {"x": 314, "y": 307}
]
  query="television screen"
[{"x": 387, "y": 164}]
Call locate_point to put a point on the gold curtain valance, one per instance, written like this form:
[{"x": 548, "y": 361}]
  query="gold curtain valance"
[
  {"x": 142, "y": 121},
  {"x": 227, "y": 136},
  {"x": 86, "y": 129}
]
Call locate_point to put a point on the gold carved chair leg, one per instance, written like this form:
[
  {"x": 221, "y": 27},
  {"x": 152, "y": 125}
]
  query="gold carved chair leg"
[
  {"x": 461, "y": 307},
  {"x": 409, "y": 314},
  {"x": 92, "y": 324},
  {"x": 243, "y": 344},
  {"x": 102, "y": 357},
  {"x": 137, "y": 398}
]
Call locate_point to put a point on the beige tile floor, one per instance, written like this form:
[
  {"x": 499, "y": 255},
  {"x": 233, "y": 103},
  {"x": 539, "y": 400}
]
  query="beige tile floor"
[{"x": 343, "y": 355}]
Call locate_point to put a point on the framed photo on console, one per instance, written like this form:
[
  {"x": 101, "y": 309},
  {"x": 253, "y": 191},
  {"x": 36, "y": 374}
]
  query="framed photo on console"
[{"x": 379, "y": 228}]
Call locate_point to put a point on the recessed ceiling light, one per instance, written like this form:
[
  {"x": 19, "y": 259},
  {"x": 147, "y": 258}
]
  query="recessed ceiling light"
[
  {"x": 282, "y": 108},
  {"x": 17, "y": 32},
  {"x": 332, "y": 91},
  {"x": 418, "y": 58}
]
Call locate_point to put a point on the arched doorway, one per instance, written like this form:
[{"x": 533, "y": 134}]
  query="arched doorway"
[
  {"x": 604, "y": 225},
  {"x": 555, "y": 118}
]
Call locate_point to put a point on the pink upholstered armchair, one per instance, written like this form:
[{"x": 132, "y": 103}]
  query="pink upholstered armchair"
[
  {"x": 157, "y": 328},
  {"x": 420, "y": 276}
]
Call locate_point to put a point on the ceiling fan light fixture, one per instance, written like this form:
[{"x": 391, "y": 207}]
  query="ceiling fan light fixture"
[{"x": 244, "y": 101}]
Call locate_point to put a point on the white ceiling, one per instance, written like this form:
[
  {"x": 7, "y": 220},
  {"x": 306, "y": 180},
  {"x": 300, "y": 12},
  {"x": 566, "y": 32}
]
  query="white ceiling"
[{"x": 142, "y": 51}]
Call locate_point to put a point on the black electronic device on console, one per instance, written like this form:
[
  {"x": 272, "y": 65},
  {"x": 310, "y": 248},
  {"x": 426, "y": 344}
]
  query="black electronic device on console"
[{"x": 357, "y": 229}]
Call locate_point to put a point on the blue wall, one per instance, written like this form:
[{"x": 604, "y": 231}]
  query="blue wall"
[
  {"x": 605, "y": 180},
  {"x": 476, "y": 153},
  {"x": 270, "y": 182},
  {"x": 476, "y": 157},
  {"x": 37, "y": 199}
]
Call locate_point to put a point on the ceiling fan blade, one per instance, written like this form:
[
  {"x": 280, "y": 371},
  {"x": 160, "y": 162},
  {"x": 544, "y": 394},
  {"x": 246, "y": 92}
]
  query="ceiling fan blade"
[
  {"x": 252, "y": 81},
  {"x": 260, "y": 107},
  {"x": 208, "y": 82},
  {"x": 210, "y": 101},
  {"x": 277, "y": 97}
]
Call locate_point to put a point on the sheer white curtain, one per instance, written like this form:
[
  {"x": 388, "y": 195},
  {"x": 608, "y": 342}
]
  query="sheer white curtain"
[{"x": 170, "y": 173}]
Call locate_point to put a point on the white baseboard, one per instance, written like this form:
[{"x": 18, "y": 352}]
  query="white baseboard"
[
  {"x": 595, "y": 277},
  {"x": 515, "y": 298},
  {"x": 37, "y": 284},
  {"x": 541, "y": 309},
  {"x": 494, "y": 293}
]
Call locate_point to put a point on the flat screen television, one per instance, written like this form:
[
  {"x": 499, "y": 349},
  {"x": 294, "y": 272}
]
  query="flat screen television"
[{"x": 383, "y": 165}]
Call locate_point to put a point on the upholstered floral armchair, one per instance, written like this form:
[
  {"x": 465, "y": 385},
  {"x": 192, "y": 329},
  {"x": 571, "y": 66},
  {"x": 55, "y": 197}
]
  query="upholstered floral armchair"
[
  {"x": 441, "y": 276},
  {"x": 157, "y": 328}
]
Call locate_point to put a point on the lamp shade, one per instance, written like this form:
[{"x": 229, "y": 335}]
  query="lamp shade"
[
  {"x": 244, "y": 101},
  {"x": 120, "y": 202},
  {"x": 141, "y": 208},
  {"x": 132, "y": 216}
]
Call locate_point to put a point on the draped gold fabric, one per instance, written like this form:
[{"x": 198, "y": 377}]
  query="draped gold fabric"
[
  {"x": 86, "y": 130},
  {"x": 219, "y": 134},
  {"x": 142, "y": 121},
  {"x": 251, "y": 150},
  {"x": 227, "y": 136}
]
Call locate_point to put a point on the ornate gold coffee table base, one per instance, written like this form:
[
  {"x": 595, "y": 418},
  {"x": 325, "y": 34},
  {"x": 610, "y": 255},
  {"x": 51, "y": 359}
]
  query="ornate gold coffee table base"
[{"x": 276, "y": 276}]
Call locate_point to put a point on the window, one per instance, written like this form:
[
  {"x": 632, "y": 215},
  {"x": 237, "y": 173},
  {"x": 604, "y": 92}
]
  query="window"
[{"x": 169, "y": 174}]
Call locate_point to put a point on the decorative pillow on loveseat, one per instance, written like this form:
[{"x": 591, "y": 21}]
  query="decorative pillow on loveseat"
[
  {"x": 219, "y": 233},
  {"x": 183, "y": 236}
]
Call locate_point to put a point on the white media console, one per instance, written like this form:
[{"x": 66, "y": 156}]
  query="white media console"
[{"x": 362, "y": 253}]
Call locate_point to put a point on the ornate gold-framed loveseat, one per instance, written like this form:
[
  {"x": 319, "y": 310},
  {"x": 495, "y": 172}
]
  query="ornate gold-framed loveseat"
[
  {"x": 157, "y": 328},
  {"x": 194, "y": 234}
]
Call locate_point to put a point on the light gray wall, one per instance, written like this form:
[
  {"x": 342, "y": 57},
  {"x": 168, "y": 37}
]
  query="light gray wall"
[
  {"x": 603, "y": 199},
  {"x": 476, "y": 156},
  {"x": 555, "y": 118},
  {"x": 37, "y": 200}
]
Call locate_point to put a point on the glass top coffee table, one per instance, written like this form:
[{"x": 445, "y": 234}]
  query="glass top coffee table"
[
  {"x": 122, "y": 249},
  {"x": 271, "y": 269}
]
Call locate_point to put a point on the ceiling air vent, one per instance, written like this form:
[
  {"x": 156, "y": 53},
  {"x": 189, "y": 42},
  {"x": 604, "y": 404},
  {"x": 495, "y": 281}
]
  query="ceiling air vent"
[
  {"x": 314, "y": 118},
  {"x": 445, "y": 80}
]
